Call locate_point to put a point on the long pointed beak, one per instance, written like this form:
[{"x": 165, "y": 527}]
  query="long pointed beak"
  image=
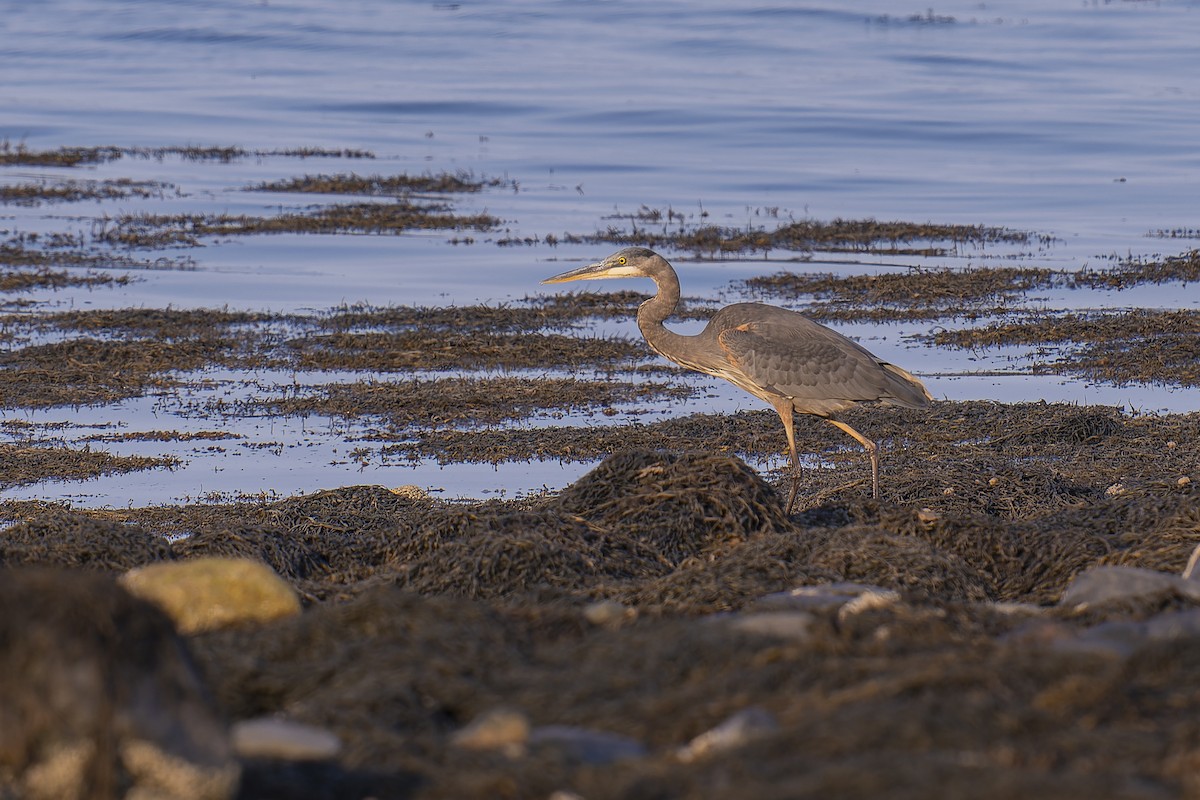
[{"x": 589, "y": 273}]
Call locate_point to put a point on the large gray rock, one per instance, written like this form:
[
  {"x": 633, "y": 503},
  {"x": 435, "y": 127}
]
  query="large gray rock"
[{"x": 1103, "y": 585}]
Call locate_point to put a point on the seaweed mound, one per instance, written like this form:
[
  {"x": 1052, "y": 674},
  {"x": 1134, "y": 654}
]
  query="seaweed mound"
[
  {"x": 73, "y": 540},
  {"x": 683, "y": 505}
]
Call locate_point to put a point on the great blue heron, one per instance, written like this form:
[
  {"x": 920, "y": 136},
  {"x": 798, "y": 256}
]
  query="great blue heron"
[{"x": 776, "y": 354}]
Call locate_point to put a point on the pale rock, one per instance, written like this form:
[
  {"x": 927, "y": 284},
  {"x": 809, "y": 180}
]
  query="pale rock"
[
  {"x": 503, "y": 729},
  {"x": 205, "y": 594},
  {"x": 868, "y": 601}
]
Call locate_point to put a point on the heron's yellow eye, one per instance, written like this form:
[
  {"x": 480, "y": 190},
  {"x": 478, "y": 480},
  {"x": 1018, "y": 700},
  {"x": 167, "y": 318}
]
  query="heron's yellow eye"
[{"x": 621, "y": 260}]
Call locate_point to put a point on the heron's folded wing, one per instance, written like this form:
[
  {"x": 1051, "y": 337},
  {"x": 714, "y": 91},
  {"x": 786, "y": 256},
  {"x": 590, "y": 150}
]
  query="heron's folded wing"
[{"x": 805, "y": 362}]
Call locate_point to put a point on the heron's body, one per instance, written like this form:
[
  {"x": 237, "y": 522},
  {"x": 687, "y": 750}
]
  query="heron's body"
[{"x": 781, "y": 356}]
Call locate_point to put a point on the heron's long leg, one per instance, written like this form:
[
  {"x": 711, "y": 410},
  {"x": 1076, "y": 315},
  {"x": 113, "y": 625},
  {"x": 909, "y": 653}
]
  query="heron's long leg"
[
  {"x": 784, "y": 407},
  {"x": 871, "y": 448}
]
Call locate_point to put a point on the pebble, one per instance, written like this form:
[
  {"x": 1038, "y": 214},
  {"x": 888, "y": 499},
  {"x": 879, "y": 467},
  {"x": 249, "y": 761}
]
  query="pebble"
[
  {"x": 586, "y": 746},
  {"x": 742, "y": 727},
  {"x": 608, "y": 613},
  {"x": 283, "y": 739},
  {"x": 501, "y": 729},
  {"x": 205, "y": 594}
]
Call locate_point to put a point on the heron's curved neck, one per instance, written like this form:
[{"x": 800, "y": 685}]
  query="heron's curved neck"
[{"x": 651, "y": 314}]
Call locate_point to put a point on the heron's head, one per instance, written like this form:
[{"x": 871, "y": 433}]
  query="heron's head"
[{"x": 632, "y": 262}]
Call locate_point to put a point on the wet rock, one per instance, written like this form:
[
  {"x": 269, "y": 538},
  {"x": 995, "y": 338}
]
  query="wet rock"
[
  {"x": 794, "y": 625},
  {"x": 99, "y": 697},
  {"x": 501, "y": 729},
  {"x": 205, "y": 594},
  {"x": 274, "y": 737},
  {"x": 585, "y": 746},
  {"x": 1103, "y": 585},
  {"x": 744, "y": 726}
]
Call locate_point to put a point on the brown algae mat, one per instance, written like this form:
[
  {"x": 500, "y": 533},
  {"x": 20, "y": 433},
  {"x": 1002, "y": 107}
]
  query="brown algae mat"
[{"x": 424, "y": 616}]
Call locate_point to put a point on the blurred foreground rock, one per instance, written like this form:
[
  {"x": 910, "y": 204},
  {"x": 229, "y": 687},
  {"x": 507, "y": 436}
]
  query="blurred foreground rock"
[{"x": 99, "y": 697}]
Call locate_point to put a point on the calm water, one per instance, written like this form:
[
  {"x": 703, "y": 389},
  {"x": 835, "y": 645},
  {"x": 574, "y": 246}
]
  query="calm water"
[{"x": 1074, "y": 119}]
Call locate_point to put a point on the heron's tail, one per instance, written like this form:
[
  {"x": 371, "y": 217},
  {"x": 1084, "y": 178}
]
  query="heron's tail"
[{"x": 905, "y": 390}]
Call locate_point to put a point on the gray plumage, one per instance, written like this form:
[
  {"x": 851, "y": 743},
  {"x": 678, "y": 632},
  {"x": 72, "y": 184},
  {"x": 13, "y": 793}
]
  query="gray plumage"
[{"x": 781, "y": 356}]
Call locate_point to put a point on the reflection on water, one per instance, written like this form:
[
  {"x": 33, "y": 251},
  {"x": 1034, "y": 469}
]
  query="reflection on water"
[{"x": 1073, "y": 120}]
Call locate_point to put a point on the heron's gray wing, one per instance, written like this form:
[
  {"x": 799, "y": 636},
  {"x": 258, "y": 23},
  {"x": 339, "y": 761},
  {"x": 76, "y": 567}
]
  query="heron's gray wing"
[{"x": 820, "y": 369}]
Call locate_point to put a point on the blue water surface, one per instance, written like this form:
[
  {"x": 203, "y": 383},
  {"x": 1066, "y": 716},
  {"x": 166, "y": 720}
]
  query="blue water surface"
[{"x": 1075, "y": 120}]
